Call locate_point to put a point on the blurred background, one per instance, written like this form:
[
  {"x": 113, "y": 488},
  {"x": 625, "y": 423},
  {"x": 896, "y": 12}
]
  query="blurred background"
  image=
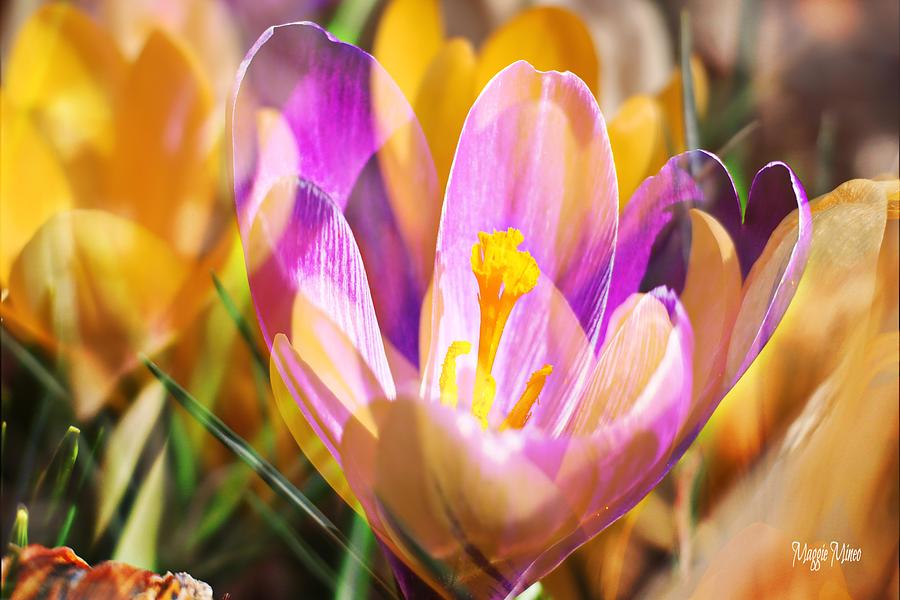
[{"x": 118, "y": 241}]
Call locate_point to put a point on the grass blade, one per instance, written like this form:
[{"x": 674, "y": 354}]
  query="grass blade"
[
  {"x": 63, "y": 534},
  {"x": 269, "y": 474},
  {"x": 350, "y": 19},
  {"x": 224, "y": 504},
  {"x": 691, "y": 135},
  {"x": 33, "y": 366},
  {"x": 69, "y": 448},
  {"x": 353, "y": 582},
  {"x": 304, "y": 553},
  {"x": 59, "y": 469},
  {"x": 88, "y": 466},
  {"x": 137, "y": 543},
  {"x": 124, "y": 449},
  {"x": 183, "y": 458},
  {"x": 20, "y": 527},
  {"x": 261, "y": 372},
  {"x": 243, "y": 327}
]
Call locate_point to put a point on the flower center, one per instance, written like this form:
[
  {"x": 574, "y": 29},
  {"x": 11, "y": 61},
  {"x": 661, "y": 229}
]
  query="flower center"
[{"x": 504, "y": 274}]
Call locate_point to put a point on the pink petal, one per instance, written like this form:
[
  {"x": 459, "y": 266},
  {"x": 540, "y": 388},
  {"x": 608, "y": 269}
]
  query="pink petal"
[
  {"x": 344, "y": 128},
  {"x": 308, "y": 282},
  {"x": 533, "y": 155}
]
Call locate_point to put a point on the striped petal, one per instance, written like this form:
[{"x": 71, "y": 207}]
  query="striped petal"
[
  {"x": 308, "y": 282},
  {"x": 533, "y": 155},
  {"x": 355, "y": 140}
]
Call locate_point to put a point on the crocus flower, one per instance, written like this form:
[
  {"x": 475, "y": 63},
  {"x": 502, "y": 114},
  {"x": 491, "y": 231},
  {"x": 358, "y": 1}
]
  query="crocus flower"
[
  {"x": 108, "y": 196},
  {"x": 441, "y": 77},
  {"x": 500, "y": 377}
]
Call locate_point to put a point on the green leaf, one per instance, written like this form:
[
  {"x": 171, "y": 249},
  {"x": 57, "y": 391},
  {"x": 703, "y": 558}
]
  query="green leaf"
[
  {"x": 269, "y": 474},
  {"x": 301, "y": 550},
  {"x": 137, "y": 544},
  {"x": 123, "y": 451},
  {"x": 353, "y": 582}
]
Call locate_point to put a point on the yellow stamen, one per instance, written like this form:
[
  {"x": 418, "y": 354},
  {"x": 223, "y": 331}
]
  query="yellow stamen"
[
  {"x": 504, "y": 274},
  {"x": 483, "y": 398},
  {"x": 449, "y": 387},
  {"x": 521, "y": 412}
]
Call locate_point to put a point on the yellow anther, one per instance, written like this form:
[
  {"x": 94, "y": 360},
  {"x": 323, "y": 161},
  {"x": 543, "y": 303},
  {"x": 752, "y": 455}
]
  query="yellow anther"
[
  {"x": 496, "y": 259},
  {"x": 449, "y": 387},
  {"x": 521, "y": 412}
]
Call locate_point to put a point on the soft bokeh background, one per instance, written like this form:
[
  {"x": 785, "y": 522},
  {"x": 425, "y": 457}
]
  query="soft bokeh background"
[{"x": 113, "y": 138}]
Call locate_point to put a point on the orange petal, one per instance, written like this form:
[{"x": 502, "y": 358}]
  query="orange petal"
[
  {"x": 33, "y": 185},
  {"x": 550, "y": 38},
  {"x": 711, "y": 297},
  {"x": 445, "y": 96},
  {"x": 757, "y": 563},
  {"x": 638, "y": 143},
  {"x": 837, "y": 289},
  {"x": 66, "y": 72},
  {"x": 409, "y": 36},
  {"x": 670, "y": 99},
  {"x": 162, "y": 173},
  {"x": 208, "y": 27}
]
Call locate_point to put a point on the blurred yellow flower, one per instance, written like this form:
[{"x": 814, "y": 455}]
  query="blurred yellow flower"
[
  {"x": 814, "y": 418},
  {"x": 441, "y": 78},
  {"x": 847, "y": 295},
  {"x": 108, "y": 195}
]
